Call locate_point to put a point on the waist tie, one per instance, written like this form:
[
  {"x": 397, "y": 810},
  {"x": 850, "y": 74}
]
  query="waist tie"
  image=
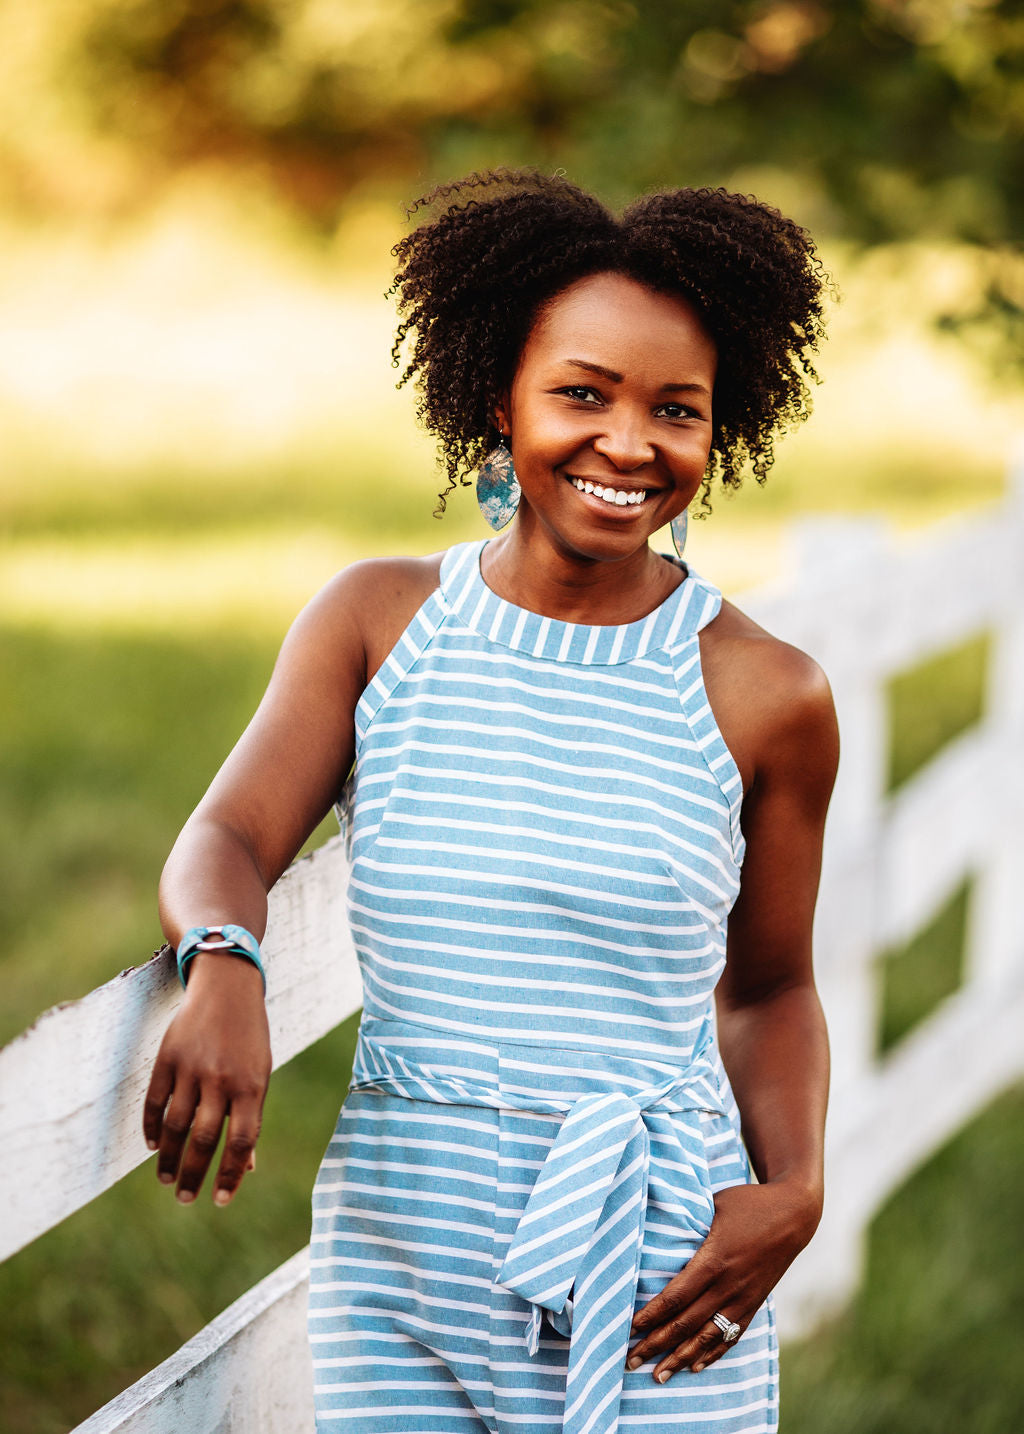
[{"x": 583, "y": 1224}]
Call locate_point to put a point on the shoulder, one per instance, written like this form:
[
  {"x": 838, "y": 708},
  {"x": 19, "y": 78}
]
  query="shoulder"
[
  {"x": 376, "y": 585},
  {"x": 368, "y": 605},
  {"x": 773, "y": 701},
  {"x": 791, "y": 685}
]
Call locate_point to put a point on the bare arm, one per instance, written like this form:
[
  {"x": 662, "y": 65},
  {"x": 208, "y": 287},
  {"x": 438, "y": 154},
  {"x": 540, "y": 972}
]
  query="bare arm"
[
  {"x": 771, "y": 1029},
  {"x": 770, "y": 1024},
  {"x": 277, "y": 784}
]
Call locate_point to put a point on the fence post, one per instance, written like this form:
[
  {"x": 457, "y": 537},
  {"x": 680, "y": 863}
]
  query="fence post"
[
  {"x": 839, "y": 557},
  {"x": 995, "y": 936}
]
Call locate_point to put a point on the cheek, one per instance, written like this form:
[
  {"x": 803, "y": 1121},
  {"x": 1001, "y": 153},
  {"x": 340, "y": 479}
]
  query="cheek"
[
  {"x": 553, "y": 438},
  {"x": 692, "y": 451}
]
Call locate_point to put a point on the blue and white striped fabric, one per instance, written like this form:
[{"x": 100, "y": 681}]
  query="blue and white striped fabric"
[{"x": 544, "y": 828}]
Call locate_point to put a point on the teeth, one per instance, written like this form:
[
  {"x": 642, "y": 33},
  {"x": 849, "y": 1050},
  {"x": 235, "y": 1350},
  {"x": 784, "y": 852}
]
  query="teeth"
[{"x": 616, "y": 496}]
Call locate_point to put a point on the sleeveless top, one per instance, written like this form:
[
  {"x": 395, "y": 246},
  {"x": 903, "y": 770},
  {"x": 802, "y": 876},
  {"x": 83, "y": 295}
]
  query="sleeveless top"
[
  {"x": 544, "y": 828},
  {"x": 543, "y": 823}
]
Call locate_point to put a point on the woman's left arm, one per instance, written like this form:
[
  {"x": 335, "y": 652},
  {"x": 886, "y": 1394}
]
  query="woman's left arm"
[{"x": 771, "y": 1032}]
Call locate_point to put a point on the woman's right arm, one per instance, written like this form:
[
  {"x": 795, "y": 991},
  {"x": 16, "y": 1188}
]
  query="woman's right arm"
[{"x": 275, "y": 787}]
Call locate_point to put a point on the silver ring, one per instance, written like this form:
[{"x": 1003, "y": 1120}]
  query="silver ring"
[{"x": 730, "y": 1331}]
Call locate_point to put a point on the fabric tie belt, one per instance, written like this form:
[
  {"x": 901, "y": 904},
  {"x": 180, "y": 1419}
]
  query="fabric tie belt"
[{"x": 583, "y": 1225}]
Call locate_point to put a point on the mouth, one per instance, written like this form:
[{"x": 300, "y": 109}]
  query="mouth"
[{"x": 614, "y": 497}]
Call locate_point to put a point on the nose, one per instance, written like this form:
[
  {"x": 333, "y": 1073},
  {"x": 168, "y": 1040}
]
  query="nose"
[{"x": 625, "y": 441}]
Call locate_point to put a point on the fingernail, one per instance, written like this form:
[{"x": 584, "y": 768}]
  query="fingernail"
[
  {"x": 697, "y": 1368},
  {"x": 185, "y": 1197},
  {"x": 150, "y": 1144},
  {"x": 663, "y": 1375},
  {"x": 634, "y": 1362},
  {"x": 221, "y": 1197},
  {"x": 165, "y": 1177}
]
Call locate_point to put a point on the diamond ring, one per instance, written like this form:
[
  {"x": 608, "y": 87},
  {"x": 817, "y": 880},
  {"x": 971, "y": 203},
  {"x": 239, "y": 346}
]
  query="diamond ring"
[{"x": 730, "y": 1331}]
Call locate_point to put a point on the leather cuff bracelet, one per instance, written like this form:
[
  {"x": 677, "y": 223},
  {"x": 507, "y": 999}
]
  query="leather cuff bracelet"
[{"x": 234, "y": 940}]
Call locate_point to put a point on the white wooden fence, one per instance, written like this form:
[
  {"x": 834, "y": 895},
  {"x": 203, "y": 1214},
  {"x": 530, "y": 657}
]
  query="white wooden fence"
[{"x": 866, "y": 608}]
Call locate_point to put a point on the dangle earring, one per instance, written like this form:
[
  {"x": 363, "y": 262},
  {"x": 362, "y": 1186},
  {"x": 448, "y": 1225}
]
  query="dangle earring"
[
  {"x": 677, "y": 528},
  {"x": 497, "y": 487}
]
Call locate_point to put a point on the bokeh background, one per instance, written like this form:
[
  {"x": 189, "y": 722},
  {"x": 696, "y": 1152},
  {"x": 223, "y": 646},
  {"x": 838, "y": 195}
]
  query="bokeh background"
[{"x": 199, "y": 425}]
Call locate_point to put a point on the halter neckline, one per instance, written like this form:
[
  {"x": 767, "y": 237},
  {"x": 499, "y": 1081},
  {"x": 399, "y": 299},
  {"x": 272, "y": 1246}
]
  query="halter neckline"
[{"x": 678, "y": 617}]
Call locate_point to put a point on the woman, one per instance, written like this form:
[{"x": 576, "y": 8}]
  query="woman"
[{"x": 573, "y": 762}]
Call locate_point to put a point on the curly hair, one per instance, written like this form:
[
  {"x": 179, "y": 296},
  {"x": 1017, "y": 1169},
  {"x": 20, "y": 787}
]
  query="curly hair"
[{"x": 472, "y": 279}]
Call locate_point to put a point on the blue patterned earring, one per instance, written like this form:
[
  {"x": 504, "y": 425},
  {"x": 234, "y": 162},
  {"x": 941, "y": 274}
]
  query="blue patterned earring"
[
  {"x": 677, "y": 528},
  {"x": 497, "y": 487}
]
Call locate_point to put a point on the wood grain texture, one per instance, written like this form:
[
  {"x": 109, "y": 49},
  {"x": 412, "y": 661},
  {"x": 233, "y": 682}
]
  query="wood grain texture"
[
  {"x": 247, "y": 1372},
  {"x": 72, "y": 1086}
]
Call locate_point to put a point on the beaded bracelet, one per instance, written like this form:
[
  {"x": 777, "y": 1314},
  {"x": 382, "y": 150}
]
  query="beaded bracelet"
[{"x": 234, "y": 939}]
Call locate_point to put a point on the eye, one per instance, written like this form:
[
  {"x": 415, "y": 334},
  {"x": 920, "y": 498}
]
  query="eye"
[
  {"x": 677, "y": 410},
  {"x": 580, "y": 394}
]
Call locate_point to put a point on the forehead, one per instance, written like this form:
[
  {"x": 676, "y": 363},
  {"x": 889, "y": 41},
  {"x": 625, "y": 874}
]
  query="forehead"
[{"x": 614, "y": 320}]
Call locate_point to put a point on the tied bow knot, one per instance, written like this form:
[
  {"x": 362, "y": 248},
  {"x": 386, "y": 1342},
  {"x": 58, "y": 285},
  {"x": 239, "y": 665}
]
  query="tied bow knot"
[{"x": 582, "y": 1229}]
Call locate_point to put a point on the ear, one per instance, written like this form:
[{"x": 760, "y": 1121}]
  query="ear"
[{"x": 502, "y": 419}]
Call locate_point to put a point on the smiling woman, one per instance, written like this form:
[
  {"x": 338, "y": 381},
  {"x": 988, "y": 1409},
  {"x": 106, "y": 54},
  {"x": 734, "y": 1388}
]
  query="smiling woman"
[
  {"x": 634, "y": 460},
  {"x": 471, "y": 284},
  {"x": 585, "y": 800}
]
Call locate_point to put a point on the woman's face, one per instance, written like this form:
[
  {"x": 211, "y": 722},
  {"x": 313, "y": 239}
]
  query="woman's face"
[{"x": 612, "y": 394}]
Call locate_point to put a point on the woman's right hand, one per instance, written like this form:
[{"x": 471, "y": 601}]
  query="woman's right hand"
[{"x": 214, "y": 1062}]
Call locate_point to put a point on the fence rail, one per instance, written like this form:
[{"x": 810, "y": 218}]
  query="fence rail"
[{"x": 867, "y": 608}]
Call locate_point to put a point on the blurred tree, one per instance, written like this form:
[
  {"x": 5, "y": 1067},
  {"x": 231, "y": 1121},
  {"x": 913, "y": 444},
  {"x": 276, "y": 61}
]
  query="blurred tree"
[{"x": 897, "y": 118}]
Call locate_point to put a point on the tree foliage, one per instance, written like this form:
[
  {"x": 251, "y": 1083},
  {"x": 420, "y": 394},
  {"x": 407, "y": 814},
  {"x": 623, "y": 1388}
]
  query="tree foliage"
[{"x": 891, "y": 119}]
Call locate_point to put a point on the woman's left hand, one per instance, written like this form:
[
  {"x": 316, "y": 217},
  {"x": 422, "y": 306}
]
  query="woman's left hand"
[{"x": 757, "y": 1232}]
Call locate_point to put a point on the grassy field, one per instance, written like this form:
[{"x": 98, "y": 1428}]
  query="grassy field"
[
  {"x": 104, "y": 754},
  {"x": 932, "y": 1343},
  {"x": 145, "y": 585}
]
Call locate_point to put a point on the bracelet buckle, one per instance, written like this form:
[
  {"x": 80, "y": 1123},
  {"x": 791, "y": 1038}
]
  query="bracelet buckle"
[{"x": 232, "y": 938}]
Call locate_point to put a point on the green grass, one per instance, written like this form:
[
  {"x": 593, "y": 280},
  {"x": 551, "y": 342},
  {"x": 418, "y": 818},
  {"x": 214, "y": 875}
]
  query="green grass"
[
  {"x": 917, "y": 976},
  {"x": 932, "y": 702},
  {"x": 104, "y": 754},
  {"x": 931, "y": 1345},
  {"x": 105, "y": 750},
  {"x": 365, "y": 492}
]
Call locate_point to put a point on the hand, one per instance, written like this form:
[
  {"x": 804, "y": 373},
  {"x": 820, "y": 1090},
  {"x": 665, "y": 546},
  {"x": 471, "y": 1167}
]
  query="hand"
[
  {"x": 214, "y": 1061},
  {"x": 757, "y": 1232}
]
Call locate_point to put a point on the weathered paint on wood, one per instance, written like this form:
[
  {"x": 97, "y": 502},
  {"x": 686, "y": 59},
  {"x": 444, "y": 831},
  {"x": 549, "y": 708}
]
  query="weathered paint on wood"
[
  {"x": 72, "y": 1086},
  {"x": 248, "y": 1372}
]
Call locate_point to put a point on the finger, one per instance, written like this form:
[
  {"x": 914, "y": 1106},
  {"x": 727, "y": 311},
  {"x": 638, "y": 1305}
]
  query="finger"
[
  {"x": 676, "y": 1331},
  {"x": 685, "y": 1319},
  {"x": 160, "y": 1086},
  {"x": 206, "y": 1128},
  {"x": 696, "y": 1353},
  {"x": 238, "y": 1155},
  {"x": 682, "y": 1291},
  {"x": 174, "y": 1128}
]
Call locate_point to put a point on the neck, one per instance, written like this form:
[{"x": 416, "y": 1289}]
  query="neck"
[{"x": 535, "y": 572}]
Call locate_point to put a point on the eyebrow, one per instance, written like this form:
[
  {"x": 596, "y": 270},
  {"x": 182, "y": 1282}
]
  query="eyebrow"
[{"x": 613, "y": 377}]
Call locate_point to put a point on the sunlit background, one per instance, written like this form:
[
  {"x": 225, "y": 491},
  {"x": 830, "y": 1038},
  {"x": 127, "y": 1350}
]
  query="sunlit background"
[{"x": 199, "y": 424}]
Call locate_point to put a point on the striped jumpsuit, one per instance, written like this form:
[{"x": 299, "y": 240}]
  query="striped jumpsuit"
[{"x": 544, "y": 829}]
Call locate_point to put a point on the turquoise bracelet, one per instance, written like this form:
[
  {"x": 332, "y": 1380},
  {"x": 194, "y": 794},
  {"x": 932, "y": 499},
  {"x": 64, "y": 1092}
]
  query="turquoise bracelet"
[{"x": 233, "y": 939}]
